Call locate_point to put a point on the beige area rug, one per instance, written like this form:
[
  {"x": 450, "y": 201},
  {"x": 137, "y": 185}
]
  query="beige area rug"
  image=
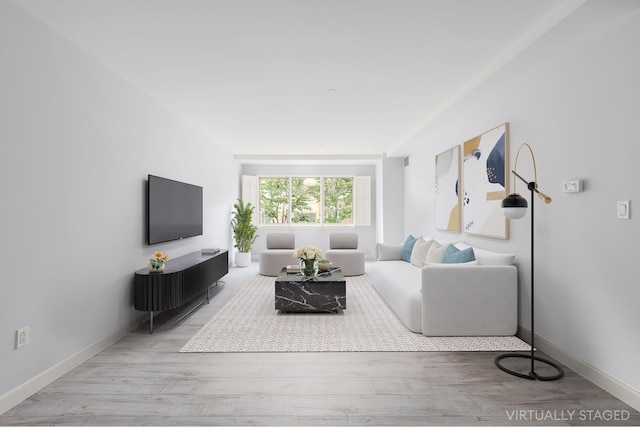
[{"x": 249, "y": 323}]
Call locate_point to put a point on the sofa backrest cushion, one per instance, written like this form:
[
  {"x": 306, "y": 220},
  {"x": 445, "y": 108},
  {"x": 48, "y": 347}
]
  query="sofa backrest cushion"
[
  {"x": 281, "y": 241},
  {"x": 453, "y": 255},
  {"x": 343, "y": 241},
  {"x": 419, "y": 252},
  {"x": 434, "y": 256},
  {"x": 408, "y": 248},
  {"x": 389, "y": 251}
]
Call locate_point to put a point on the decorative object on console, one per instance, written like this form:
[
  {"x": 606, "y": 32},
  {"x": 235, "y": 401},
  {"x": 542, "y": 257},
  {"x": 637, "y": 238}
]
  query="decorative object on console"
[
  {"x": 484, "y": 184},
  {"x": 210, "y": 250},
  {"x": 514, "y": 206},
  {"x": 244, "y": 232},
  {"x": 156, "y": 264},
  {"x": 309, "y": 256},
  {"x": 447, "y": 185}
]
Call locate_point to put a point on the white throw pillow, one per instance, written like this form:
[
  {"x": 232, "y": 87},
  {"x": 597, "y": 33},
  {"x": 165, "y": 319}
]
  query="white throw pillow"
[
  {"x": 390, "y": 251},
  {"x": 419, "y": 252},
  {"x": 435, "y": 253},
  {"x": 486, "y": 257}
]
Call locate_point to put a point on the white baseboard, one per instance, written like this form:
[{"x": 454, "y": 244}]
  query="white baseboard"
[
  {"x": 617, "y": 388},
  {"x": 25, "y": 390}
]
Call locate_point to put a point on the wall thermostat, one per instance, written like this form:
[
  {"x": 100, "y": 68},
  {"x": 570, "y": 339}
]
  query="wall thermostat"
[{"x": 572, "y": 186}]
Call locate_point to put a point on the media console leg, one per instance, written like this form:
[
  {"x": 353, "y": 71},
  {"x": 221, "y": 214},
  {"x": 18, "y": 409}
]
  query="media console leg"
[{"x": 151, "y": 322}]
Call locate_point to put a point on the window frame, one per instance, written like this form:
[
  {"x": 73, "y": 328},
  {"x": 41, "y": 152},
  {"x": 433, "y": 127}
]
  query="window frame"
[{"x": 322, "y": 222}]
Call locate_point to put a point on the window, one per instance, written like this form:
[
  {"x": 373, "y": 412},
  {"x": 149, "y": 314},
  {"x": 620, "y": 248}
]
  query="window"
[
  {"x": 338, "y": 200},
  {"x": 309, "y": 200},
  {"x": 274, "y": 201},
  {"x": 305, "y": 200}
]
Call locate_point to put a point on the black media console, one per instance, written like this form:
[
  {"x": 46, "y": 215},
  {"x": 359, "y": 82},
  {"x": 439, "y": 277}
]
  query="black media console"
[{"x": 182, "y": 280}]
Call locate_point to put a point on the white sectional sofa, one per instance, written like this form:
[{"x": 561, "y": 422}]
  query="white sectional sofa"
[{"x": 475, "y": 298}]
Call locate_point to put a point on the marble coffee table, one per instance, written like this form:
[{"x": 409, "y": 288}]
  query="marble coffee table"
[{"x": 326, "y": 292}]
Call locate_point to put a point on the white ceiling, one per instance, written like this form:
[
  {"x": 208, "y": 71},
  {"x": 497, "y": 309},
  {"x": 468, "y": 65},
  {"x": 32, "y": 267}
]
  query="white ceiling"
[{"x": 350, "y": 78}]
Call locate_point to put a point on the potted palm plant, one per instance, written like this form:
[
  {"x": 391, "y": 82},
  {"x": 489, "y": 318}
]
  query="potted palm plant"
[{"x": 244, "y": 232}]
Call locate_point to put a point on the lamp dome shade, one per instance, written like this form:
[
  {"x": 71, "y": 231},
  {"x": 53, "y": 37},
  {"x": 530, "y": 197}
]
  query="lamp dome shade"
[{"x": 514, "y": 206}]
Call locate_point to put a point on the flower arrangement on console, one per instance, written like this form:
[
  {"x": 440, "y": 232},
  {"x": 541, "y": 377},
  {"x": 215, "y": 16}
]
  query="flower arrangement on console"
[
  {"x": 157, "y": 262},
  {"x": 308, "y": 255}
]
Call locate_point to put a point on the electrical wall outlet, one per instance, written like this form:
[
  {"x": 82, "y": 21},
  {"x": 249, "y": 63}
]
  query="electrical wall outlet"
[{"x": 22, "y": 337}]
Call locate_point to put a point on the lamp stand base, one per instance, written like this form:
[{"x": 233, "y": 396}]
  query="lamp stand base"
[{"x": 533, "y": 375}]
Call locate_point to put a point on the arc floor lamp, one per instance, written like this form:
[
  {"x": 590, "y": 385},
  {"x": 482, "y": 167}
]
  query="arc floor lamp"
[{"x": 514, "y": 206}]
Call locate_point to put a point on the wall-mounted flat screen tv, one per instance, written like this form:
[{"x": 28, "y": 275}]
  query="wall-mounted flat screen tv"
[{"x": 174, "y": 210}]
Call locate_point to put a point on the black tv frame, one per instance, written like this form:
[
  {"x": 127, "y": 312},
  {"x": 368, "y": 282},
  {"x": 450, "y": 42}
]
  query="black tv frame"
[{"x": 178, "y": 204}]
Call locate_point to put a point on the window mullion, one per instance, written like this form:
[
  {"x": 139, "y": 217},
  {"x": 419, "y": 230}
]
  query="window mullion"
[
  {"x": 290, "y": 219},
  {"x": 322, "y": 201}
]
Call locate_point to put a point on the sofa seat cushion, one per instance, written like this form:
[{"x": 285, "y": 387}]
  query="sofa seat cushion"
[
  {"x": 272, "y": 261},
  {"x": 350, "y": 261}
]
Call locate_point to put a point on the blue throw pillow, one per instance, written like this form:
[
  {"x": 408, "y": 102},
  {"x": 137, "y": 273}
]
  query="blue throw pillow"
[
  {"x": 453, "y": 255},
  {"x": 408, "y": 248}
]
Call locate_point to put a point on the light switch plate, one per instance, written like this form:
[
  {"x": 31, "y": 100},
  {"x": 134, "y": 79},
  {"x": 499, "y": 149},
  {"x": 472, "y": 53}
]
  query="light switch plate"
[
  {"x": 624, "y": 208},
  {"x": 572, "y": 186}
]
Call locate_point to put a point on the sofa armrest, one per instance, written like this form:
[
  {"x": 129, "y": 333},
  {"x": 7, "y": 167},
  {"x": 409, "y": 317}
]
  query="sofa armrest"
[{"x": 469, "y": 300}]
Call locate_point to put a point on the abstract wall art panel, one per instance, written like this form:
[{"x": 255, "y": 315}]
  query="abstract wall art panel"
[
  {"x": 447, "y": 184},
  {"x": 485, "y": 183}
]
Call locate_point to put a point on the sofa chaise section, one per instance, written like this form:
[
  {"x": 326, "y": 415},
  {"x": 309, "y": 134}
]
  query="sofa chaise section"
[{"x": 469, "y": 300}]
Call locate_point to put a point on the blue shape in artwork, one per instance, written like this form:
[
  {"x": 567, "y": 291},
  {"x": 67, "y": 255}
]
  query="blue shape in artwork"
[{"x": 495, "y": 162}]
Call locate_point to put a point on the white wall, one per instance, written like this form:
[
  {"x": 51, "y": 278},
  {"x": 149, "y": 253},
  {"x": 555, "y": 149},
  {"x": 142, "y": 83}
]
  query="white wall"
[
  {"x": 580, "y": 115},
  {"x": 77, "y": 143},
  {"x": 389, "y": 225}
]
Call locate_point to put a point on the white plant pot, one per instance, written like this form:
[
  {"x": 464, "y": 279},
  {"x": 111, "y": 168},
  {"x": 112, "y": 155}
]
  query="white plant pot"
[{"x": 243, "y": 259}]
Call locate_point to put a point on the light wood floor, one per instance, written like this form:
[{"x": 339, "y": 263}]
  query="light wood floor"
[{"x": 144, "y": 380}]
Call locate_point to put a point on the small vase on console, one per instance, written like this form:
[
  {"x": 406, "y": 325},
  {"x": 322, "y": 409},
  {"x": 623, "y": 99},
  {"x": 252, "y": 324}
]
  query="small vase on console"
[{"x": 157, "y": 263}]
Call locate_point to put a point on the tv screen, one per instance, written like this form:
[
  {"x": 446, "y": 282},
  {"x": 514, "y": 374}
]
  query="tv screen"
[{"x": 174, "y": 210}]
